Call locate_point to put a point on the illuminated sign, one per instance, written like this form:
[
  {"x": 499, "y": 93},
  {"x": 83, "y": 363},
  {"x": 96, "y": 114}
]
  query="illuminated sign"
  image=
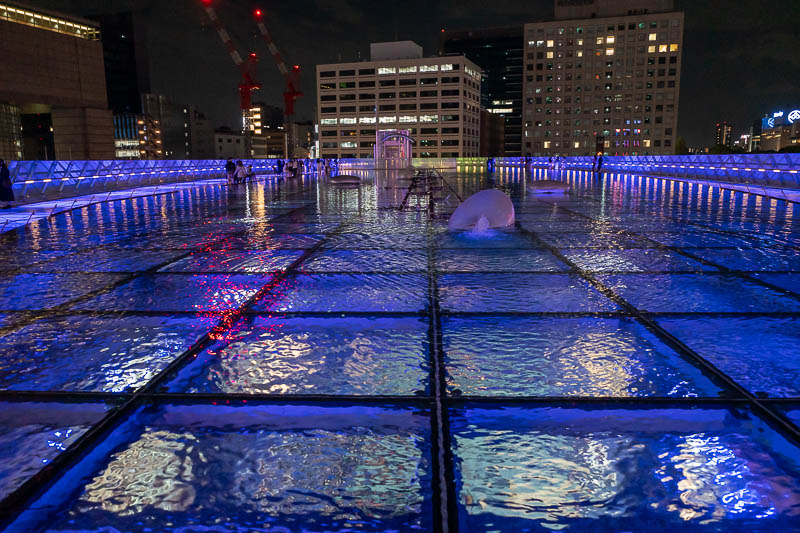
[{"x": 780, "y": 118}]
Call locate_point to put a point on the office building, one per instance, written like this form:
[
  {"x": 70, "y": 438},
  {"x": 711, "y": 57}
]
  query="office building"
[
  {"x": 723, "y": 134},
  {"x": 437, "y": 99},
  {"x": 201, "y": 135},
  {"x": 137, "y": 137},
  {"x": 52, "y": 87},
  {"x": 499, "y": 54},
  {"x": 173, "y": 120},
  {"x": 780, "y": 130},
  {"x": 604, "y": 76}
]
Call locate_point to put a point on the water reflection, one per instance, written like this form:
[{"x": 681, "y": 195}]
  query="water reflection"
[{"x": 564, "y": 469}]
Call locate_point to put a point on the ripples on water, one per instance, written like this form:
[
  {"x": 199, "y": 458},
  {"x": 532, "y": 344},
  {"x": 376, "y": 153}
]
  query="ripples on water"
[
  {"x": 32, "y": 434},
  {"x": 314, "y": 356},
  {"x": 579, "y": 470},
  {"x": 761, "y": 353},
  {"x": 299, "y": 468},
  {"x": 565, "y": 357},
  {"x": 83, "y": 353}
]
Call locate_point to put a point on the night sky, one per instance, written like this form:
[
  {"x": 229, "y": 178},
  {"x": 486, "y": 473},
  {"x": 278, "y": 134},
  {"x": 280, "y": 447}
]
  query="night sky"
[{"x": 740, "y": 59}]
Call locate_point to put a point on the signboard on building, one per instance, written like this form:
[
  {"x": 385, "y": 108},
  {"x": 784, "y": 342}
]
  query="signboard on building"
[{"x": 780, "y": 118}]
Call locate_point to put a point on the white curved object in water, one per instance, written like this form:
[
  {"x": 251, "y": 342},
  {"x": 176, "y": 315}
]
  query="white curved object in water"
[
  {"x": 547, "y": 187},
  {"x": 484, "y": 209},
  {"x": 345, "y": 179}
]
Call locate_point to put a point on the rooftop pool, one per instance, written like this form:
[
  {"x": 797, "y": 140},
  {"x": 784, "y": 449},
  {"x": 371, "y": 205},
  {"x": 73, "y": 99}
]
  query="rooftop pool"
[{"x": 300, "y": 356}]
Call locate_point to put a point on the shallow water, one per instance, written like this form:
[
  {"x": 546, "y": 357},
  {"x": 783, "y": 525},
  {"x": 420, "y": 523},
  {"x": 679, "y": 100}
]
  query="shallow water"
[
  {"x": 321, "y": 311},
  {"x": 615, "y": 470}
]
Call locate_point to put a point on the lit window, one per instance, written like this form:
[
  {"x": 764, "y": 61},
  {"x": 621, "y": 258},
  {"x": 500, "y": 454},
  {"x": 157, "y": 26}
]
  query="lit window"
[
  {"x": 646, "y": 143},
  {"x": 550, "y": 55},
  {"x": 550, "y": 44},
  {"x": 348, "y": 144},
  {"x": 579, "y": 53},
  {"x": 366, "y": 120},
  {"x": 407, "y": 70},
  {"x": 580, "y": 42},
  {"x": 429, "y": 68},
  {"x": 531, "y": 43},
  {"x": 347, "y": 120},
  {"x": 408, "y": 118},
  {"x": 576, "y": 144},
  {"x": 610, "y": 39},
  {"x": 609, "y": 51},
  {"x": 328, "y": 121},
  {"x": 599, "y": 40},
  {"x": 651, "y": 37},
  {"x": 651, "y": 49},
  {"x": 673, "y": 47},
  {"x": 539, "y": 43},
  {"x": 387, "y": 120},
  {"x": 547, "y": 144},
  {"x": 448, "y": 66},
  {"x": 662, "y": 47},
  {"x": 429, "y": 118},
  {"x": 387, "y": 70}
]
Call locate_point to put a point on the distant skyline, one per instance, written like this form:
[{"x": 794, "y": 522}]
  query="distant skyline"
[{"x": 740, "y": 59}]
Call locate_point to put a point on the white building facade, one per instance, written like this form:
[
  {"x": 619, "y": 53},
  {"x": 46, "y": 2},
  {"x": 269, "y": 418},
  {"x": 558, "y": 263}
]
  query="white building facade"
[{"x": 437, "y": 99}]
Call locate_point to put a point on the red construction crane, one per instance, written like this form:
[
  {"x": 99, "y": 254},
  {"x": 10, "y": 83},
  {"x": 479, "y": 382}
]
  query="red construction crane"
[
  {"x": 247, "y": 84},
  {"x": 291, "y": 94}
]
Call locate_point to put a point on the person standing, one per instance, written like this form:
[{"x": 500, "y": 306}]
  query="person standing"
[
  {"x": 240, "y": 174},
  {"x": 230, "y": 168},
  {"x": 6, "y": 186}
]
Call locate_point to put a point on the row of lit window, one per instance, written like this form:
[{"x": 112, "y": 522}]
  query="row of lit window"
[
  {"x": 45, "y": 22},
  {"x": 600, "y": 52},
  {"x": 406, "y": 119},
  {"x": 402, "y": 94},
  {"x": 389, "y": 70},
  {"x": 431, "y": 106},
  {"x": 643, "y": 143},
  {"x": 356, "y": 133}
]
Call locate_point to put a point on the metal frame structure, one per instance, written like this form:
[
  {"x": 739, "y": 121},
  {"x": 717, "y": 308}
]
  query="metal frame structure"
[{"x": 37, "y": 179}]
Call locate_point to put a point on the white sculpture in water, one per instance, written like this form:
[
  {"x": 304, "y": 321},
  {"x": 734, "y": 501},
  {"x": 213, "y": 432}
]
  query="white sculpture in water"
[{"x": 483, "y": 210}]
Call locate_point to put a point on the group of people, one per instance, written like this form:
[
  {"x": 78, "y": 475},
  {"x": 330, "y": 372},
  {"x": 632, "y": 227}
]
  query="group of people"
[
  {"x": 6, "y": 190},
  {"x": 292, "y": 168},
  {"x": 237, "y": 172}
]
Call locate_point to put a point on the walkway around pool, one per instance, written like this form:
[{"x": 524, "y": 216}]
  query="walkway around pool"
[{"x": 305, "y": 356}]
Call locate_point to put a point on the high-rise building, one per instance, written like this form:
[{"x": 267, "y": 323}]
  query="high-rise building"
[
  {"x": 136, "y": 137},
  {"x": 173, "y": 119},
  {"x": 52, "y": 86},
  {"x": 126, "y": 61},
  {"x": 437, "y": 99},
  {"x": 723, "y": 134},
  {"x": 604, "y": 76},
  {"x": 499, "y": 54}
]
